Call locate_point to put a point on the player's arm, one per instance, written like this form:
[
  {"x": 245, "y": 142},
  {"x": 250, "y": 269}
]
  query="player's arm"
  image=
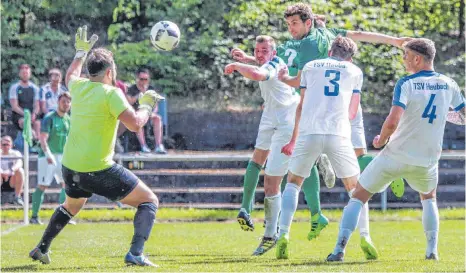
[
  {"x": 308, "y": 51},
  {"x": 249, "y": 71},
  {"x": 288, "y": 148},
  {"x": 376, "y": 38},
  {"x": 14, "y": 101},
  {"x": 45, "y": 129},
  {"x": 82, "y": 46},
  {"x": 286, "y": 78},
  {"x": 42, "y": 101},
  {"x": 135, "y": 120},
  {"x": 354, "y": 105},
  {"x": 36, "y": 105},
  {"x": 242, "y": 57},
  {"x": 389, "y": 126}
]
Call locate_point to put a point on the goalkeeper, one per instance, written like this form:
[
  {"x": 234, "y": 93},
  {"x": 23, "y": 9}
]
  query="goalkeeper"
[{"x": 87, "y": 162}]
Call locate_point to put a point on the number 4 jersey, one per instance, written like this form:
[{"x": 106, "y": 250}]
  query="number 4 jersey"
[
  {"x": 329, "y": 85},
  {"x": 426, "y": 97}
]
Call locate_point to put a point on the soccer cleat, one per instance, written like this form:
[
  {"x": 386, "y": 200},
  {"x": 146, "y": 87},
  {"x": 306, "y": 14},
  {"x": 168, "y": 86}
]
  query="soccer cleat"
[
  {"x": 369, "y": 249},
  {"x": 160, "y": 149},
  {"x": 282, "y": 247},
  {"x": 35, "y": 221},
  {"x": 37, "y": 255},
  {"x": 245, "y": 221},
  {"x": 145, "y": 149},
  {"x": 18, "y": 201},
  {"x": 398, "y": 187},
  {"x": 325, "y": 169},
  {"x": 318, "y": 223},
  {"x": 265, "y": 245},
  {"x": 335, "y": 257},
  {"x": 140, "y": 260},
  {"x": 432, "y": 256}
]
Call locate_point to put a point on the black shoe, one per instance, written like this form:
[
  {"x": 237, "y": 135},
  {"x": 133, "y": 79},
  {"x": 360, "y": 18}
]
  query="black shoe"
[
  {"x": 432, "y": 256},
  {"x": 245, "y": 221},
  {"x": 335, "y": 257},
  {"x": 37, "y": 255},
  {"x": 35, "y": 221}
]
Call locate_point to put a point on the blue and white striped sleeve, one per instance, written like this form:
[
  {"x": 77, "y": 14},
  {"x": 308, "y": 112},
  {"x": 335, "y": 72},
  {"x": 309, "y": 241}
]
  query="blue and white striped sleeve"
[
  {"x": 401, "y": 93},
  {"x": 271, "y": 68},
  {"x": 457, "y": 100},
  {"x": 12, "y": 94},
  {"x": 303, "y": 82}
]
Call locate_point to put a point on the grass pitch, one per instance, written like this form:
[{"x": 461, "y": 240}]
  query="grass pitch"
[{"x": 222, "y": 246}]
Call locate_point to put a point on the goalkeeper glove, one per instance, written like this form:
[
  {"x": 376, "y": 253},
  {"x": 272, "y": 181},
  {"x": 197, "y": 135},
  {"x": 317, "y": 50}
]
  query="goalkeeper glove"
[
  {"x": 149, "y": 100},
  {"x": 82, "y": 45}
]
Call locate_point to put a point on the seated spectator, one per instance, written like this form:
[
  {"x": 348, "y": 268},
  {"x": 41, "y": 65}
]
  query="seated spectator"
[
  {"x": 50, "y": 91},
  {"x": 141, "y": 86},
  {"x": 12, "y": 169},
  {"x": 25, "y": 95}
]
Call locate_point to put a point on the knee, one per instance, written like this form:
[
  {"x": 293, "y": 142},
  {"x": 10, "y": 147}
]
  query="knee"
[
  {"x": 157, "y": 120},
  {"x": 19, "y": 174},
  {"x": 430, "y": 195},
  {"x": 154, "y": 200}
]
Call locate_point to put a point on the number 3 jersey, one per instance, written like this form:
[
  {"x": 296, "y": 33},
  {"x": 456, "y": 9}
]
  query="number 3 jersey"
[
  {"x": 329, "y": 85},
  {"x": 426, "y": 97}
]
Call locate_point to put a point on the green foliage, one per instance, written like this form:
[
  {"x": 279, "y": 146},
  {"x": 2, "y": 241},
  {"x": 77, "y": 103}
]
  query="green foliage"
[{"x": 41, "y": 34}]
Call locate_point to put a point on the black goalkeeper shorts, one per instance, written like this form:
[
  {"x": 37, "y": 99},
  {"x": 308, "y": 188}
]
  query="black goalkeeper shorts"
[{"x": 114, "y": 183}]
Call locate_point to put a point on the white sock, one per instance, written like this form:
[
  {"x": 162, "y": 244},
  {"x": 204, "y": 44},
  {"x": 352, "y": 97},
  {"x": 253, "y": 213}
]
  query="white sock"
[
  {"x": 363, "y": 223},
  {"x": 289, "y": 205},
  {"x": 272, "y": 210},
  {"x": 348, "y": 224},
  {"x": 430, "y": 221}
]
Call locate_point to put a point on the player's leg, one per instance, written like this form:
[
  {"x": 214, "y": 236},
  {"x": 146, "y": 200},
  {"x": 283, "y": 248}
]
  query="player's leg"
[
  {"x": 375, "y": 178},
  {"x": 45, "y": 177},
  {"x": 311, "y": 189},
  {"x": 158, "y": 134},
  {"x": 326, "y": 171},
  {"x": 425, "y": 180},
  {"x": 142, "y": 141},
  {"x": 16, "y": 182},
  {"x": 307, "y": 149},
  {"x": 251, "y": 178}
]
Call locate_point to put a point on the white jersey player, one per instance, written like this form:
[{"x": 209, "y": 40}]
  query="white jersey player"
[
  {"x": 415, "y": 127},
  {"x": 330, "y": 95},
  {"x": 275, "y": 129}
]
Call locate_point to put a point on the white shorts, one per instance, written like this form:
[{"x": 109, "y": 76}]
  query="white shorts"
[
  {"x": 275, "y": 130},
  {"x": 46, "y": 171},
  {"x": 383, "y": 170},
  {"x": 358, "y": 137},
  {"x": 338, "y": 149}
]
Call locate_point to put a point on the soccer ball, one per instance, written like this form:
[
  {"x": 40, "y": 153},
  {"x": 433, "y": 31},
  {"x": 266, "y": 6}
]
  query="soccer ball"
[{"x": 165, "y": 35}]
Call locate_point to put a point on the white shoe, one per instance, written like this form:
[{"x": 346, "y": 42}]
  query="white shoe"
[
  {"x": 145, "y": 149},
  {"x": 325, "y": 169},
  {"x": 160, "y": 149}
]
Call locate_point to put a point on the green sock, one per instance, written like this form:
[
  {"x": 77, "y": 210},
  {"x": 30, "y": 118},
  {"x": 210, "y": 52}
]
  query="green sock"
[
  {"x": 364, "y": 160},
  {"x": 37, "y": 199},
  {"x": 311, "y": 189},
  {"x": 283, "y": 184},
  {"x": 62, "y": 197},
  {"x": 251, "y": 178}
]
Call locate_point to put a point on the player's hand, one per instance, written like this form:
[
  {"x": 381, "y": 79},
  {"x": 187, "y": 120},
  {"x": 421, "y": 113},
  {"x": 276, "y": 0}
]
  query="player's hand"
[
  {"x": 376, "y": 142},
  {"x": 51, "y": 161},
  {"x": 82, "y": 45},
  {"x": 283, "y": 73},
  {"x": 288, "y": 148},
  {"x": 320, "y": 20},
  {"x": 402, "y": 41},
  {"x": 149, "y": 100},
  {"x": 239, "y": 55},
  {"x": 230, "y": 68}
]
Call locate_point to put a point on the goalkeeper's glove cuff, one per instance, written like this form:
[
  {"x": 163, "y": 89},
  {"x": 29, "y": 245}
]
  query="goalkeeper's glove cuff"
[
  {"x": 146, "y": 107},
  {"x": 80, "y": 54}
]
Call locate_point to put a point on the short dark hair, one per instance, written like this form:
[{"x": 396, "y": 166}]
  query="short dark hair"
[
  {"x": 423, "y": 47},
  {"x": 142, "y": 70},
  {"x": 266, "y": 39},
  {"x": 98, "y": 60},
  {"x": 64, "y": 94},
  {"x": 343, "y": 47},
  {"x": 303, "y": 10}
]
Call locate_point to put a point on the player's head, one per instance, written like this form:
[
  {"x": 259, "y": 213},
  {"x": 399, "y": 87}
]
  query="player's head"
[
  {"x": 24, "y": 72},
  {"x": 265, "y": 49},
  {"x": 343, "y": 48},
  {"x": 419, "y": 55},
  {"x": 101, "y": 66},
  {"x": 7, "y": 143},
  {"x": 64, "y": 102},
  {"x": 55, "y": 75},
  {"x": 299, "y": 20},
  {"x": 143, "y": 77}
]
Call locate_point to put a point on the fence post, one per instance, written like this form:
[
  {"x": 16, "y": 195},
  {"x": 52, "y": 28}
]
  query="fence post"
[
  {"x": 383, "y": 201},
  {"x": 26, "y": 182}
]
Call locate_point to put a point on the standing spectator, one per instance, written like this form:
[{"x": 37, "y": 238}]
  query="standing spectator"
[
  {"x": 54, "y": 132},
  {"x": 50, "y": 91},
  {"x": 141, "y": 86},
  {"x": 25, "y": 95},
  {"x": 12, "y": 169}
]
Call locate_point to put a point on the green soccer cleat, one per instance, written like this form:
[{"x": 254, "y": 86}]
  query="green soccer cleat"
[
  {"x": 282, "y": 247},
  {"x": 369, "y": 249},
  {"x": 398, "y": 187},
  {"x": 265, "y": 245},
  {"x": 318, "y": 223}
]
